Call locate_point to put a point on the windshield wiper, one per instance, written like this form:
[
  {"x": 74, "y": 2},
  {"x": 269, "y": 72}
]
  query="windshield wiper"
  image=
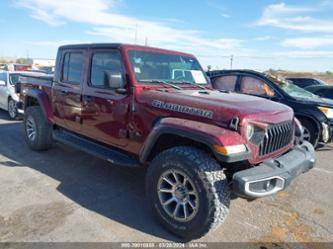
[
  {"x": 161, "y": 82},
  {"x": 189, "y": 83}
]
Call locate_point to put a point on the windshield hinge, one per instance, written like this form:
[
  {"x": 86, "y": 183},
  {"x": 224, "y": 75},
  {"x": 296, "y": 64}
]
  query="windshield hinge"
[{"x": 234, "y": 123}]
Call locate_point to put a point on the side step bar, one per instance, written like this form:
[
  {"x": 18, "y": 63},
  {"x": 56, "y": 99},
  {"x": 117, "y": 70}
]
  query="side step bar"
[{"x": 100, "y": 151}]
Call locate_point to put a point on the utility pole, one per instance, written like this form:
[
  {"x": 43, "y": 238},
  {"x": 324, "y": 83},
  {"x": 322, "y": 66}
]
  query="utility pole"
[
  {"x": 146, "y": 41},
  {"x": 231, "y": 61},
  {"x": 136, "y": 34}
]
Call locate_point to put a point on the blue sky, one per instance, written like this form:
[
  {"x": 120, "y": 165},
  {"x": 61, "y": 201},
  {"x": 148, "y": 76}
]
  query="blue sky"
[{"x": 295, "y": 35}]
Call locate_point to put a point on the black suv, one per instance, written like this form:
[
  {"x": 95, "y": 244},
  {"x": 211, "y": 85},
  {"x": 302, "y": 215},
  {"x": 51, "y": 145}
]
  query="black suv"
[
  {"x": 323, "y": 91},
  {"x": 305, "y": 82},
  {"x": 315, "y": 113}
]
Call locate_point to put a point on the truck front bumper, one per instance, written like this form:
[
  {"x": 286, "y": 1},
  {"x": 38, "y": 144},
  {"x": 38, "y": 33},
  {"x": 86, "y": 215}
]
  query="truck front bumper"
[
  {"x": 20, "y": 107},
  {"x": 330, "y": 130},
  {"x": 274, "y": 175}
]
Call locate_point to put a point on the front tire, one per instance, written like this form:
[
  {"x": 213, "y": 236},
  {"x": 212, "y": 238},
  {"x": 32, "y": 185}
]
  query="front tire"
[
  {"x": 38, "y": 132},
  {"x": 12, "y": 109},
  {"x": 188, "y": 192},
  {"x": 311, "y": 133}
]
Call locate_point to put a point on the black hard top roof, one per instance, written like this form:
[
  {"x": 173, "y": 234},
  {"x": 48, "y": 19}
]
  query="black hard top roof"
[
  {"x": 120, "y": 45},
  {"x": 91, "y": 45}
]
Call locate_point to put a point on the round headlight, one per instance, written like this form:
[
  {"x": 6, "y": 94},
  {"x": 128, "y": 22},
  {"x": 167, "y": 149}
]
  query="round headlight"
[{"x": 249, "y": 131}]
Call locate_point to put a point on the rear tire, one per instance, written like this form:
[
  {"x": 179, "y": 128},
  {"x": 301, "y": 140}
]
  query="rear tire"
[
  {"x": 12, "y": 109},
  {"x": 38, "y": 132},
  {"x": 206, "y": 187},
  {"x": 311, "y": 133}
]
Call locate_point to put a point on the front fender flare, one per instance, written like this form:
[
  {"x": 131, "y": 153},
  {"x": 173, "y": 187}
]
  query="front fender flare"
[
  {"x": 207, "y": 134},
  {"x": 43, "y": 100}
]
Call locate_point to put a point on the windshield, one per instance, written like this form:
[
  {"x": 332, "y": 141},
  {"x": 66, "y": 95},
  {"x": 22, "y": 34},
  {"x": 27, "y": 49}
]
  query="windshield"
[
  {"x": 321, "y": 82},
  {"x": 290, "y": 88},
  {"x": 154, "y": 66},
  {"x": 14, "y": 78}
]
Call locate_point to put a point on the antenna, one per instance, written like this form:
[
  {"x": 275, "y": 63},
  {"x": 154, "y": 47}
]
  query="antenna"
[{"x": 231, "y": 61}]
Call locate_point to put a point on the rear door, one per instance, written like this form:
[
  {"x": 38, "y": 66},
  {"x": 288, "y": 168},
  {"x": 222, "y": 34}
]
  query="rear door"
[
  {"x": 225, "y": 83},
  {"x": 105, "y": 112},
  {"x": 67, "y": 90}
]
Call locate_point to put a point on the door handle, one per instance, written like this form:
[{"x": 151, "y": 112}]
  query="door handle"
[
  {"x": 64, "y": 92},
  {"x": 88, "y": 99}
]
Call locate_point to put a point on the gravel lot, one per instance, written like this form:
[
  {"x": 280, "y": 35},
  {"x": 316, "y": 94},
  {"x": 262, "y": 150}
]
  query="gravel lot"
[{"x": 66, "y": 195}]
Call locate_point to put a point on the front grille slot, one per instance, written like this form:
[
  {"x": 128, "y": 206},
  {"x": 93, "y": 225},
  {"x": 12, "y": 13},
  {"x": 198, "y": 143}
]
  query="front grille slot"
[{"x": 277, "y": 137}]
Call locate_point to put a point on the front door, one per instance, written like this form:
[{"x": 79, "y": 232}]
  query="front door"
[
  {"x": 3, "y": 91},
  {"x": 105, "y": 113},
  {"x": 67, "y": 91},
  {"x": 255, "y": 86}
]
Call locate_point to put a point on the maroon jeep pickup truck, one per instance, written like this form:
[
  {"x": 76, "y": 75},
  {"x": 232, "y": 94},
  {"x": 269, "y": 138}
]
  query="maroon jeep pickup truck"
[{"x": 138, "y": 106}]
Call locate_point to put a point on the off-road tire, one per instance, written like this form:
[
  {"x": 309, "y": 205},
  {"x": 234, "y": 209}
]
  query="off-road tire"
[
  {"x": 13, "y": 114},
  {"x": 310, "y": 127},
  {"x": 208, "y": 178},
  {"x": 43, "y": 136}
]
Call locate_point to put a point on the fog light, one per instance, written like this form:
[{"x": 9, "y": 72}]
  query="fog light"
[
  {"x": 263, "y": 187},
  {"x": 325, "y": 133}
]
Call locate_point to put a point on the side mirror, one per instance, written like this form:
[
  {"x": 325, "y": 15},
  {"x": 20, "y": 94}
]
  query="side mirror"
[
  {"x": 18, "y": 87},
  {"x": 2, "y": 83},
  {"x": 116, "y": 81}
]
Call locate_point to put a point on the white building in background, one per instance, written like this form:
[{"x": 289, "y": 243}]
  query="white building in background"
[{"x": 36, "y": 62}]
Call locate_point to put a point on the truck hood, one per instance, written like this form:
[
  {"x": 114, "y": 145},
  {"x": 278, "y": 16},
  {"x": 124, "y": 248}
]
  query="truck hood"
[
  {"x": 217, "y": 106},
  {"x": 316, "y": 101}
]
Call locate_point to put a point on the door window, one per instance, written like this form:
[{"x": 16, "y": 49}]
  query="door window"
[
  {"x": 101, "y": 65},
  {"x": 73, "y": 68},
  {"x": 225, "y": 83},
  {"x": 254, "y": 86}
]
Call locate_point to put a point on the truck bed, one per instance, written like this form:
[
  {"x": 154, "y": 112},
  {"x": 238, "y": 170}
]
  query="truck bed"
[{"x": 42, "y": 82}]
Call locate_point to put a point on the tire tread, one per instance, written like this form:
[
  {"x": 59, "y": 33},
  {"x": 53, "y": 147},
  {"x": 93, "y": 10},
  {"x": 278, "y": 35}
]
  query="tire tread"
[
  {"x": 44, "y": 129},
  {"x": 214, "y": 179}
]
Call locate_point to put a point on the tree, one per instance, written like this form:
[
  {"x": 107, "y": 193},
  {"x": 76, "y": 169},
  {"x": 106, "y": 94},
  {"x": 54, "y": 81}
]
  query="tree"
[{"x": 21, "y": 61}]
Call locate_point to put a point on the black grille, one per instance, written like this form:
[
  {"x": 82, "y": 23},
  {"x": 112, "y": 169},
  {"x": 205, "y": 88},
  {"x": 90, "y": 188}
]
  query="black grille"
[{"x": 277, "y": 137}]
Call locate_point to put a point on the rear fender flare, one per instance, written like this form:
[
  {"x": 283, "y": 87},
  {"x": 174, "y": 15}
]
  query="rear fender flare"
[{"x": 43, "y": 101}]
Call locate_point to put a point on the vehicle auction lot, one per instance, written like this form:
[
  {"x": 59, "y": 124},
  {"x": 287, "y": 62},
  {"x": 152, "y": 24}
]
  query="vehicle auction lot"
[{"x": 66, "y": 195}]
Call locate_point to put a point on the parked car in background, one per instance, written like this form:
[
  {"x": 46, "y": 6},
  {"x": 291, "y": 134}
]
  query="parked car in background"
[
  {"x": 324, "y": 91},
  {"x": 13, "y": 67},
  {"x": 305, "y": 82},
  {"x": 315, "y": 113},
  {"x": 9, "y": 99},
  {"x": 49, "y": 70}
]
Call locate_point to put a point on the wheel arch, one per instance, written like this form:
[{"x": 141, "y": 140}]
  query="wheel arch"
[
  {"x": 171, "y": 132},
  {"x": 36, "y": 97},
  {"x": 316, "y": 122},
  {"x": 167, "y": 138}
]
